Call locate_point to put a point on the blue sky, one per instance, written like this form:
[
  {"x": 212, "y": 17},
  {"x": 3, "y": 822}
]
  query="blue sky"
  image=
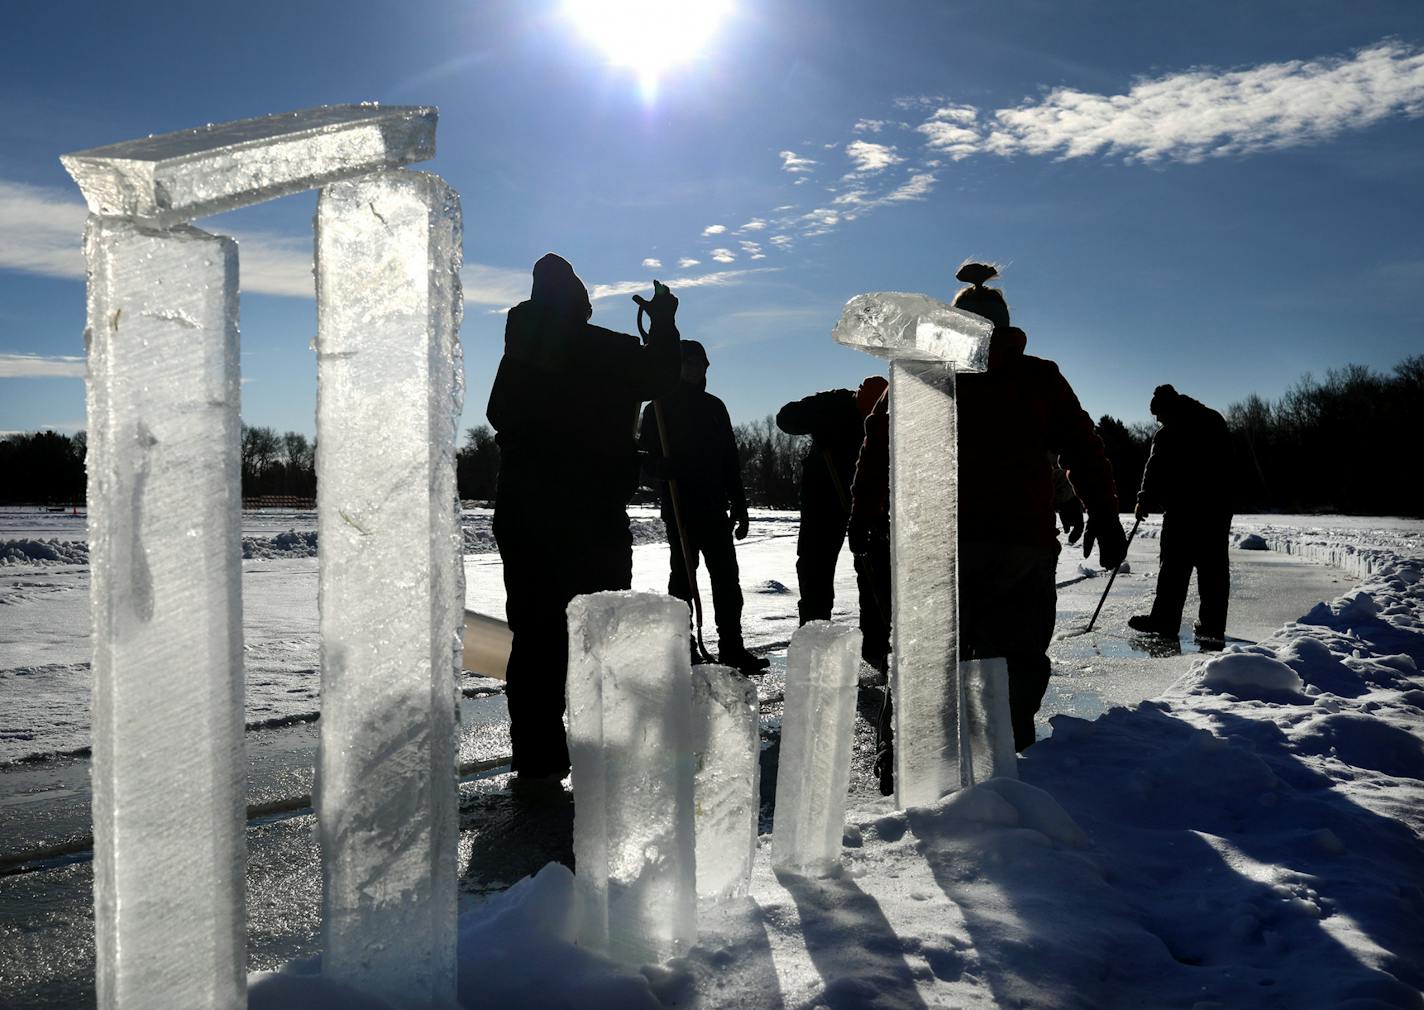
[{"x": 1219, "y": 195}]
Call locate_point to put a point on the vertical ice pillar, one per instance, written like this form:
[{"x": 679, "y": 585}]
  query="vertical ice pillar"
[
  {"x": 988, "y": 737},
  {"x": 165, "y": 556},
  {"x": 726, "y": 741},
  {"x": 817, "y": 727},
  {"x": 388, "y": 400},
  {"x": 926, "y": 342},
  {"x": 630, "y": 741}
]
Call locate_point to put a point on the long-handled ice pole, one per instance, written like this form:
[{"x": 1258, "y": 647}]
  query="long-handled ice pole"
[{"x": 1108, "y": 589}]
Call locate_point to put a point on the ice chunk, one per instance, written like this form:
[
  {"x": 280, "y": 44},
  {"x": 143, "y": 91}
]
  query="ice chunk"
[
  {"x": 891, "y": 324},
  {"x": 924, "y": 491},
  {"x": 630, "y": 740},
  {"x": 726, "y": 735},
  {"x": 817, "y": 730},
  {"x": 392, "y": 582},
  {"x": 192, "y": 173},
  {"x": 988, "y": 733},
  {"x": 164, "y": 541}
]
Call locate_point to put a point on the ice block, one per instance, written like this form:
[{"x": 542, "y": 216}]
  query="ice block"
[
  {"x": 926, "y": 342},
  {"x": 630, "y": 741},
  {"x": 988, "y": 738},
  {"x": 165, "y": 562},
  {"x": 726, "y": 740},
  {"x": 389, "y": 392},
  {"x": 817, "y": 730},
  {"x": 178, "y": 176}
]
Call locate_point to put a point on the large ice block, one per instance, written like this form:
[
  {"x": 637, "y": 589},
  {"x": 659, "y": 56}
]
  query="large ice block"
[
  {"x": 165, "y": 562},
  {"x": 817, "y": 730},
  {"x": 630, "y": 740},
  {"x": 988, "y": 736},
  {"x": 389, "y": 392},
  {"x": 924, "y": 492},
  {"x": 892, "y": 324},
  {"x": 192, "y": 173},
  {"x": 726, "y": 739}
]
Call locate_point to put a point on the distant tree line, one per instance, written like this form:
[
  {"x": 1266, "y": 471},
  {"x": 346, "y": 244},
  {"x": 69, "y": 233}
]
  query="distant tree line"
[{"x": 1347, "y": 443}]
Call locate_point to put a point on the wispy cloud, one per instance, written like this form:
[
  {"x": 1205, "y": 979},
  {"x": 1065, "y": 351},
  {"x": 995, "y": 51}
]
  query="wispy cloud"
[
  {"x": 721, "y": 278},
  {"x": 723, "y": 256},
  {"x": 39, "y": 366},
  {"x": 500, "y": 287},
  {"x": 795, "y": 164},
  {"x": 43, "y": 230},
  {"x": 714, "y": 229},
  {"x": 1200, "y": 113},
  {"x": 653, "y": 264},
  {"x": 687, "y": 261},
  {"x": 755, "y": 224},
  {"x": 870, "y": 158}
]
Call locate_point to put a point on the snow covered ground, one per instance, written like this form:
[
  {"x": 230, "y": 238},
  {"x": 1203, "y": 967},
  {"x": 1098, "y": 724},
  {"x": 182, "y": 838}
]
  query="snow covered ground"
[{"x": 1251, "y": 836}]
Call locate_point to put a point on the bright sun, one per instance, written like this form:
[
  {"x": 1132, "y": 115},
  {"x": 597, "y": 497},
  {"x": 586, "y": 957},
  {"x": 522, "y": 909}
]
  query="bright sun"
[{"x": 649, "y": 36}]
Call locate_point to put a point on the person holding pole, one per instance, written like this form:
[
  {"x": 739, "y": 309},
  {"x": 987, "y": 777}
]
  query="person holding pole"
[
  {"x": 692, "y": 458},
  {"x": 835, "y": 420},
  {"x": 563, "y": 406}
]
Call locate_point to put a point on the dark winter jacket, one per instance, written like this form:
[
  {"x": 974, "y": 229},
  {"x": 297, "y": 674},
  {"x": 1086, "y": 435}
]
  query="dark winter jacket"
[
  {"x": 833, "y": 421},
  {"x": 1190, "y": 463},
  {"x": 1011, "y": 418},
  {"x": 565, "y": 405},
  {"x": 701, "y": 454}
]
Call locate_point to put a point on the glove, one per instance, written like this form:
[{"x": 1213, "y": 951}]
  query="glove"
[
  {"x": 743, "y": 524},
  {"x": 662, "y": 310},
  {"x": 1141, "y": 511},
  {"x": 1106, "y": 532},
  {"x": 1070, "y": 515}
]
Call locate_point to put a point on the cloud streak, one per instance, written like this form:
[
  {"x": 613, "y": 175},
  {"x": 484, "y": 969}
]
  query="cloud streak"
[
  {"x": 1200, "y": 113},
  {"x": 39, "y": 366}
]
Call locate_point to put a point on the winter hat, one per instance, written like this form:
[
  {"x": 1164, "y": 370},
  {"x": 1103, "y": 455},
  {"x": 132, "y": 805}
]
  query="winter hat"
[
  {"x": 555, "y": 283},
  {"x": 869, "y": 392},
  {"x": 692, "y": 350},
  {"x": 982, "y": 301},
  {"x": 1163, "y": 397}
]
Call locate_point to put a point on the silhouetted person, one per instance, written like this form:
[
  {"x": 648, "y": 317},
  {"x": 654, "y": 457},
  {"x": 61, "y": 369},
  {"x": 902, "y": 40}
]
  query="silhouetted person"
[
  {"x": 1186, "y": 479},
  {"x": 1013, "y": 418},
  {"x": 835, "y": 420},
  {"x": 563, "y": 406},
  {"x": 700, "y": 457}
]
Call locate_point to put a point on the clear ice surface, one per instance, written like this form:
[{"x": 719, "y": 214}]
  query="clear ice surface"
[
  {"x": 988, "y": 735},
  {"x": 630, "y": 740},
  {"x": 726, "y": 739},
  {"x": 892, "y": 324},
  {"x": 192, "y": 173},
  {"x": 389, "y": 391},
  {"x": 817, "y": 730},
  {"x": 924, "y": 492},
  {"x": 165, "y": 551}
]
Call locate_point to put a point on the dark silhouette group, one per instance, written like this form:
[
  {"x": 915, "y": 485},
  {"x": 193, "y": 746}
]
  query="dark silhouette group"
[{"x": 565, "y": 407}]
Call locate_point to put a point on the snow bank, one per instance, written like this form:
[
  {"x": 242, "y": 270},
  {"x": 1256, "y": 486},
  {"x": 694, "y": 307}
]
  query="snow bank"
[{"x": 44, "y": 552}]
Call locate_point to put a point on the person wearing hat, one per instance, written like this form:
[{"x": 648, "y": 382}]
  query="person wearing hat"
[
  {"x": 562, "y": 405},
  {"x": 835, "y": 420},
  {"x": 1013, "y": 418},
  {"x": 1186, "y": 480},
  {"x": 700, "y": 458}
]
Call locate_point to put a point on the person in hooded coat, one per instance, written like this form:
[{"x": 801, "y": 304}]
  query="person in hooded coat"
[
  {"x": 1185, "y": 480},
  {"x": 835, "y": 420},
  {"x": 700, "y": 459},
  {"x": 564, "y": 405},
  {"x": 1013, "y": 418}
]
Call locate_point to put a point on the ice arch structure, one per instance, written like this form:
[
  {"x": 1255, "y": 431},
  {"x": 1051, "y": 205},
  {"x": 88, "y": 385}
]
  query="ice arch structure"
[{"x": 164, "y": 503}]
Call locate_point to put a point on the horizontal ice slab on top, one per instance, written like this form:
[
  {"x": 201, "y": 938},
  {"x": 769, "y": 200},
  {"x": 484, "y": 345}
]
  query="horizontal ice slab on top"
[
  {"x": 891, "y": 324},
  {"x": 192, "y": 173}
]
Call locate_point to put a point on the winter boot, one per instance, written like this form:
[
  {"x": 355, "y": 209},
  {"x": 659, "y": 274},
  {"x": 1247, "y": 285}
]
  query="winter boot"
[
  {"x": 735, "y": 655},
  {"x": 1210, "y": 639},
  {"x": 1150, "y": 626}
]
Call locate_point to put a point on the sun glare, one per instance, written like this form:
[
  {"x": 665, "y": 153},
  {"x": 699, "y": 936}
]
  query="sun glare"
[{"x": 648, "y": 36}]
